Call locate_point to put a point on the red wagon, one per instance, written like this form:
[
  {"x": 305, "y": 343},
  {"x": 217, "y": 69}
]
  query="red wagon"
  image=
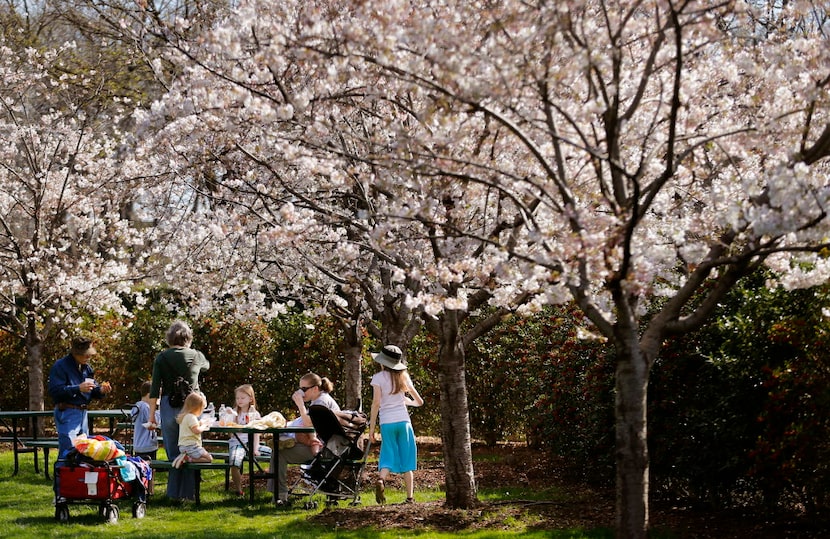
[{"x": 95, "y": 483}]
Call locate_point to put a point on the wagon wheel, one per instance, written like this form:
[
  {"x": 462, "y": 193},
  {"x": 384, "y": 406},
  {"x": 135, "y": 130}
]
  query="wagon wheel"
[
  {"x": 62, "y": 513},
  {"x": 139, "y": 509},
  {"x": 111, "y": 514}
]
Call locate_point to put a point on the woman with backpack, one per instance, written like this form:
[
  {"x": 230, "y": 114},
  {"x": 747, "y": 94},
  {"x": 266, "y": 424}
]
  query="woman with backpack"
[{"x": 175, "y": 367}]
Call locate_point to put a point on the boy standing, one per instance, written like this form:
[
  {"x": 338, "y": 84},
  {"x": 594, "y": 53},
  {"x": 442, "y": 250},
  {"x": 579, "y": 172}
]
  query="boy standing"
[{"x": 145, "y": 439}]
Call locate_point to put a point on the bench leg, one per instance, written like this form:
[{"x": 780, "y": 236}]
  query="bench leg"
[{"x": 45, "y": 461}]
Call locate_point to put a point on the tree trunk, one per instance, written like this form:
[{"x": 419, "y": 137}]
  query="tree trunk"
[
  {"x": 353, "y": 364},
  {"x": 631, "y": 443},
  {"x": 455, "y": 418},
  {"x": 34, "y": 362}
]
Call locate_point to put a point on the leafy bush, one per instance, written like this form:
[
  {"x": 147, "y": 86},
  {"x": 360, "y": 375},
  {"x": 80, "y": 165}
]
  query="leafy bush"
[
  {"x": 573, "y": 413},
  {"x": 739, "y": 410},
  {"x": 14, "y": 373}
]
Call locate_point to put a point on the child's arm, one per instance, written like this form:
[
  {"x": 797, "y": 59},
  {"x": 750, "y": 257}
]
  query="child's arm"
[
  {"x": 200, "y": 426},
  {"x": 413, "y": 398},
  {"x": 254, "y": 415}
]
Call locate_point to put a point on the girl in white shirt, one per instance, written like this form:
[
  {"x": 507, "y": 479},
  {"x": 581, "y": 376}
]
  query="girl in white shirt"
[
  {"x": 237, "y": 445},
  {"x": 392, "y": 392}
]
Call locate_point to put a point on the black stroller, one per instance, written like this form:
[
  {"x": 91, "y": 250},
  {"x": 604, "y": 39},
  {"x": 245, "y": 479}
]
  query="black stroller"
[{"x": 337, "y": 469}]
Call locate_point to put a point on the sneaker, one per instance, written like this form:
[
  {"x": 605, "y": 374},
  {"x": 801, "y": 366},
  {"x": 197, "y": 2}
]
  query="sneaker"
[
  {"x": 380, "y": 496},
  {"x": 283, "y": 504}
]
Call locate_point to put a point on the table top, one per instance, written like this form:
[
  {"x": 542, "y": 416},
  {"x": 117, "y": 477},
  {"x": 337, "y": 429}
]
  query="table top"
[
  {"x": 13, "y": 414},
  {"x": 254, "y": 430},
  {"x": 114, "y": 412}
]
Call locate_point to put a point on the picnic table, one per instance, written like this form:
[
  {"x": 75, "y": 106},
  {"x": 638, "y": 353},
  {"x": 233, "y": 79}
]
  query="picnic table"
[
  {"x": 255, "y": 471},
  {"x": 16, "y": 421}
]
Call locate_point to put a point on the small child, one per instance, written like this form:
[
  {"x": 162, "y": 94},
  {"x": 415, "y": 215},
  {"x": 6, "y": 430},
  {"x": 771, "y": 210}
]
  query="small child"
[
  {"x": 145, "y": 438},
  {"x": 190, "y": 431},
  {"x": 245, "y": 413}
]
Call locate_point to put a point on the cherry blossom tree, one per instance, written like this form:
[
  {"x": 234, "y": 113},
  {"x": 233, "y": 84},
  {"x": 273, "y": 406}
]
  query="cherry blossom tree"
[
  {"x": 81, "y": 227},
  {"x": 655, "y": 151},
  {"x": 65, "y": 225},
  {"x": 631, "y": 157},
  {"x": 339, "y": 228}
]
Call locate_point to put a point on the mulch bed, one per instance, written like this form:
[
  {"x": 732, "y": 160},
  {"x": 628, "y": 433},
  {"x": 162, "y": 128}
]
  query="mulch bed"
[{"x": 581, "y": 507}]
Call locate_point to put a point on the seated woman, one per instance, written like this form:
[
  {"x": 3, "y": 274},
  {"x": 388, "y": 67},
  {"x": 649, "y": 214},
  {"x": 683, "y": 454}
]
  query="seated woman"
[{"x": 314, "y": 391}]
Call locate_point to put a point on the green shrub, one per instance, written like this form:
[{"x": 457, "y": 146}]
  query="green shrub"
[{"x": 739, "y": 411}]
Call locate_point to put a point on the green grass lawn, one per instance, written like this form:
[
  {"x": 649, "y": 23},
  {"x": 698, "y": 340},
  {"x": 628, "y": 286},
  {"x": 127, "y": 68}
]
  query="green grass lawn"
[{"x": 26, "y": 511}]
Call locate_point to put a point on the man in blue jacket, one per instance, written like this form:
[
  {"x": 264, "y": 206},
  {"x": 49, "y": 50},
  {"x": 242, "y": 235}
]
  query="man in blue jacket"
[{"x": 72, "y": 385}]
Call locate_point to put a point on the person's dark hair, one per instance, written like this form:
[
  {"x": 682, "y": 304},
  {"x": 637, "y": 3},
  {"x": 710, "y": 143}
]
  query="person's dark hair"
[
  {"x": 145, "y": 387},
  {"x": 81, "y": 345},
  {"x": 179, "y": 334}
]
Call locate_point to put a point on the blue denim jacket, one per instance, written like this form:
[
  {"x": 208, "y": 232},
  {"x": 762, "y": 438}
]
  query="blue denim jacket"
[{"x": 65, "y": 377}]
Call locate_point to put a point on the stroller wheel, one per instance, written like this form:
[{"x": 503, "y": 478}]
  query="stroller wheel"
[
  {"x": 111, "y": 513},
  {"x": 331, "y": 503},
  {"x": 139, "y": 510},
  {"x": 62, "y": 513}
]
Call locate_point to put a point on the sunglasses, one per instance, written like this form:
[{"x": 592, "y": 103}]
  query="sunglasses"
[{"x": 304, "y": 389}]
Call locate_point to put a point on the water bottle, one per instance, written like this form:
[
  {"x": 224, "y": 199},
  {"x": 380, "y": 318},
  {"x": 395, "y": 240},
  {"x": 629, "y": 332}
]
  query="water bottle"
[{"x": 208, "y": 412}]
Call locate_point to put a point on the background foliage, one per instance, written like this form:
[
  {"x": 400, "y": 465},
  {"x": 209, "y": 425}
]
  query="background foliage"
[{"x": 738, "y": 411}]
